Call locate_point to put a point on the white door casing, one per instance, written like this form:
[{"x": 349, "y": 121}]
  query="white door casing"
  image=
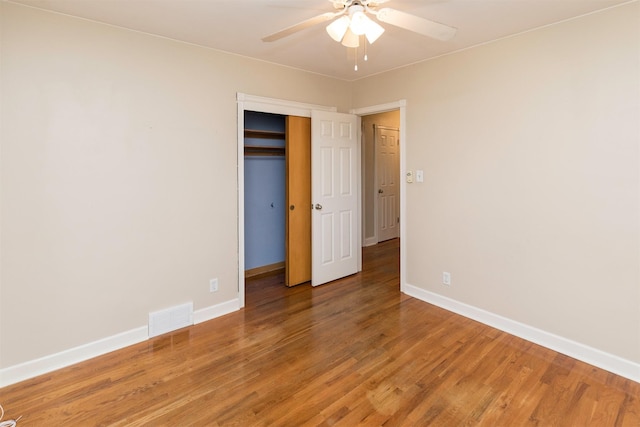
[
  {"x": 387, "y": 188},
  {"x": 286, "y": 107},
  {"x": 334, "y": 195},
  {"x": 266, "y": 105}
]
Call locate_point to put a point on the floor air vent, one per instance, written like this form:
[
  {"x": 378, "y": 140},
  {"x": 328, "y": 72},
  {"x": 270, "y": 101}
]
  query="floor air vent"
[{"x": 170, "y": 319}]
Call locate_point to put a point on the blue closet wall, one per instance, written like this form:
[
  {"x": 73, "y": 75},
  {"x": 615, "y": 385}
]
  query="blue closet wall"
[{"x": 264, "y": 195}]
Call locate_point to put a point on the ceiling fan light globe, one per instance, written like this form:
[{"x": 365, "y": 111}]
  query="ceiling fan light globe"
[
  {"x": 350, "y": 39},
  {"x": 359, "y": 22},
  {"x": 338, "y": 28},
  {"x": 373, "y": 32}
]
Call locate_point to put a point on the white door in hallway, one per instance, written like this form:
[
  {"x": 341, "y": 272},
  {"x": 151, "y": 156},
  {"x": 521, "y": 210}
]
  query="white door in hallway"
[
  {"x": 334, "y": 196},
  {"x": 387, "y": 176}
]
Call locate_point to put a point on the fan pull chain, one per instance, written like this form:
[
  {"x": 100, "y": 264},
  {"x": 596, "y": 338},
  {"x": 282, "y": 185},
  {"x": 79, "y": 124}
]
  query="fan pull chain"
[
  {"x": 355, "y": 68},
  {"x": 365, "y": 49}
]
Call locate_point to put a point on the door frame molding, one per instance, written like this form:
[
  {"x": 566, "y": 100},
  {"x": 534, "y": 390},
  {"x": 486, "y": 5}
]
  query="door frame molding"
[
  {"x": 383, "y": 108},
  {"x": 261, "y": 104}
]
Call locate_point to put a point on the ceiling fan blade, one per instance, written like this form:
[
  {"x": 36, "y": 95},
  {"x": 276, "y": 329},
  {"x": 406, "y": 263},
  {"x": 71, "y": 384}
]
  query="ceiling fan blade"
[
  {"x": 300, "y": 26},
  {"x": 373, "y": 3},
  {"x": 416, "y": 24}
]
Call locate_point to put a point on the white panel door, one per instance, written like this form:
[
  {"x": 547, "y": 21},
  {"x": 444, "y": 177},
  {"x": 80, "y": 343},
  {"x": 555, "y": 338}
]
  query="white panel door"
[
  {"x": 387, "y": 175},
  {"x": 334, "y": 196}
]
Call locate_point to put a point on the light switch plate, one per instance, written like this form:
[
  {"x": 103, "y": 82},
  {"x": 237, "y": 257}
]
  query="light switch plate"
[
  {"x": 419, "y": 176},
  {"x": 409, "y": 177}
]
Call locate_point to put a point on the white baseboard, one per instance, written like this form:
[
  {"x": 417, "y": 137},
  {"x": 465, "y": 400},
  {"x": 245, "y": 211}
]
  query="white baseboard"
[
  {"x": 593, "y": 356},
  {"x": 217, "y": 310},
  {"x": 43, "y": 365},
  {"x": 46, "y": 364},
  {"x": 370, "y": 241}
]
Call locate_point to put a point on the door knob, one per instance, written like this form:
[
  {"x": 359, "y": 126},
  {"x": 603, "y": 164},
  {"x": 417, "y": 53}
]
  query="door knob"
[
  {"x": 292, "y": 207},
  {"x": 380, "y": 191},
  {"x": 318, "y": 206}
]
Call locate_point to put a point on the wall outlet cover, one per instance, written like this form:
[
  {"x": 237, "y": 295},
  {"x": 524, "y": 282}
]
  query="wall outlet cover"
[{"x": 446, "y": 278}]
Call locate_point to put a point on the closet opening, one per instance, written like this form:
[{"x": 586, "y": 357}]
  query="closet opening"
[
  {"x": 277, "y": 197},
  {"x": 264, "y": 197}
]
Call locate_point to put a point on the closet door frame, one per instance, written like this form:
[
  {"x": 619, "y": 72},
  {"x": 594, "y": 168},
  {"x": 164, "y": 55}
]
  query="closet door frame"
[{"x": 247, "y": 102}]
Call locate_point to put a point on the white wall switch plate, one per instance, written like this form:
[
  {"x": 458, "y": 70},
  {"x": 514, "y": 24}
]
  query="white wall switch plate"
[
  {"x": 409, "y": 177},
  {"x": 419, "y": 176},
  {"x": 213, "y": 285}
]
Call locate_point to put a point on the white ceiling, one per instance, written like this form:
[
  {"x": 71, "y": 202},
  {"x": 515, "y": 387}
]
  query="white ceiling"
[{"x": 237, "y": 26}]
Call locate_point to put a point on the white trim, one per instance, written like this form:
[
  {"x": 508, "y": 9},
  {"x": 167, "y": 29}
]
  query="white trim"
[
  {"x": 380, "y": 108},
  {"x": 403, "y": 196},
  {"x": 52, "y": 362},
  {"x": 359, "y": 230},
  {"x": 209, "y": 313},
  {"x": 264, "y": 105},
  {"x": 370, "y": 241},
  {"x": 374, "y": 193},
  {"x": 593, "y": 356},
  {"x": 279, "y": 106},
  {"x": 363, "y": 155},
  {"x": 240, "y": 218}
]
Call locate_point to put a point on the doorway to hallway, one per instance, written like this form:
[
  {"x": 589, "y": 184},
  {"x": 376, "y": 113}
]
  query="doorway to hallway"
[{"x": 381, "y": 176}]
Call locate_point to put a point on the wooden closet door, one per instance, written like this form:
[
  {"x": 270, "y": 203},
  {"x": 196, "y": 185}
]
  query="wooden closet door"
[{"x": 298, "y": 197}]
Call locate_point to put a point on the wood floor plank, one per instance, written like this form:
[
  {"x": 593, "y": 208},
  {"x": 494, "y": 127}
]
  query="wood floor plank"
[{"x": 352, "y": 352}]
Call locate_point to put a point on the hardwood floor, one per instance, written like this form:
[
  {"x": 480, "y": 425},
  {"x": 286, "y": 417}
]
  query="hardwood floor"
[{"x": 353, "y": 352}]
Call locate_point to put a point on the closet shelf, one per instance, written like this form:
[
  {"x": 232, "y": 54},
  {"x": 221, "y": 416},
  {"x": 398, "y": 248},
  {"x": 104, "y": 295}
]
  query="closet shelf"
[
  {"x": 261, "y": 150},
  {"x": 263, "y": 134}
]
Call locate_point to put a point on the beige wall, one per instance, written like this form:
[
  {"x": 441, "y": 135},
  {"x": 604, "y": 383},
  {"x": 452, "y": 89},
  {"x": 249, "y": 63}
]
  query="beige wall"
[
  {"x": 118, "y": 175},
  {"x": 530, "y": 147},
  {"x": 390, "y": 119},
  {"x": 118, "y": 172}
]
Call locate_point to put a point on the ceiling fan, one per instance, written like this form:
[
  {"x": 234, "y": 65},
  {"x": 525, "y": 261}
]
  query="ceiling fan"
[{"x": 352, "y": 17}]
